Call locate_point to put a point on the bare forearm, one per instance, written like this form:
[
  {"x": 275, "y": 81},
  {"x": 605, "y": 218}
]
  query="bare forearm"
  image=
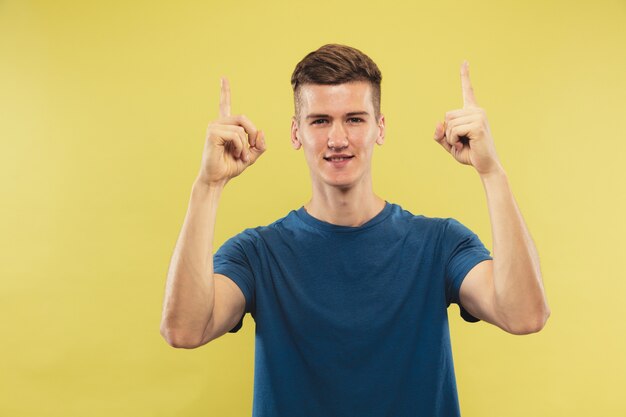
[
  {"x": 519, "y": 294},
  {"x": 189, "y": 292}
]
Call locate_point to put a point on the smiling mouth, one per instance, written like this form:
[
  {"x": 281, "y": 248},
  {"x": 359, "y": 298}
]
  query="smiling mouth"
[{"x": 338, "y": 158}]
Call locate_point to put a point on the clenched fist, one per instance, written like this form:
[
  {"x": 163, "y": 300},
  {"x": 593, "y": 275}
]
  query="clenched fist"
[{"x": 232, "y": 144}]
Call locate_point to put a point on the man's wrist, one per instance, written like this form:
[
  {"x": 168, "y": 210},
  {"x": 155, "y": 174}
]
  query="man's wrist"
[
  {"x": 497, "y": 174},
  {"x": 204, "y": 188}
]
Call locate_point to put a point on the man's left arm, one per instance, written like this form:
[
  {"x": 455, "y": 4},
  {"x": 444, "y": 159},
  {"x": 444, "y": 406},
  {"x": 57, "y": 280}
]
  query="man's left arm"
[{"x": 508, "y": 290}]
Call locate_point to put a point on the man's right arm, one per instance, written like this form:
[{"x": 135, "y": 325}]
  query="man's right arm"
[{"x": 200, "y": 305}]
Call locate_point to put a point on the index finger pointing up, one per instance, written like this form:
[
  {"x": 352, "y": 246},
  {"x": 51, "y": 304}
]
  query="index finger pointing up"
[
  {"x": 468, "y": 92},
  {"x": 225, "y": 98}
]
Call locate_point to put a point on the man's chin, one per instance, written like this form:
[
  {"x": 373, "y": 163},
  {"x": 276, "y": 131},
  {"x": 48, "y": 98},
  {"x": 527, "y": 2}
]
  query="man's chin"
[{"x": 342, "y": 183}]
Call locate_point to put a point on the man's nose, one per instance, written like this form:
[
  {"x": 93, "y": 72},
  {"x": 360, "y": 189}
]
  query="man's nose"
[{"x": 337, "y": 136}]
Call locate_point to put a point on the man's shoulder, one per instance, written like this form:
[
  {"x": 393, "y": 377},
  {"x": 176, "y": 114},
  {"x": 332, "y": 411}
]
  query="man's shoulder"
[
  {"x": 400, "y": 214},
  {"x": 256, "y": 233}
]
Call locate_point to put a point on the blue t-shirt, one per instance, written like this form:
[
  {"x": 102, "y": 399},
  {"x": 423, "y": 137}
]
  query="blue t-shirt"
[{"x": 352, "y": 321}]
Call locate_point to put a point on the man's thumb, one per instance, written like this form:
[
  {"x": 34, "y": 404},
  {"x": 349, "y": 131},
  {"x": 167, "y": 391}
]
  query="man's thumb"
[{"x": 259, "y": 146}]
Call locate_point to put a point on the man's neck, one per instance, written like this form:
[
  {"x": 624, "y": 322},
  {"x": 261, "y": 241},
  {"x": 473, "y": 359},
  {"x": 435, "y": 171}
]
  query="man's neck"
[{"x": 349, "y": 207}]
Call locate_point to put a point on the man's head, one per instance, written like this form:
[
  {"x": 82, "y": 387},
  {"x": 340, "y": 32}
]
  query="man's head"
[
  {"x": 338, "y": 119},
  {"x": 334, "y": 64}
]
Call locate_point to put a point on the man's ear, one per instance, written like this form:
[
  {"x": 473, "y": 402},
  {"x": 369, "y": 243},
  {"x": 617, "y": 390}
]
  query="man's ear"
[
  {"x": 381, "y": 130},
  {"x": 295, "y": 134}
]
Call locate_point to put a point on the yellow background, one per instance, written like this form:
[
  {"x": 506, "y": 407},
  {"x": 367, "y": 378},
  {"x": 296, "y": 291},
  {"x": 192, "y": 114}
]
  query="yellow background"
[{"x": 103, "y": 110}]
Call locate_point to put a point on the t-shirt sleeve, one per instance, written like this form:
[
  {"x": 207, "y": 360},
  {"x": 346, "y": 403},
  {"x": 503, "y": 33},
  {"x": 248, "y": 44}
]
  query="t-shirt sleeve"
[
  {"x": 463, "y": 250},
  {"x": 234, "y": 260}
]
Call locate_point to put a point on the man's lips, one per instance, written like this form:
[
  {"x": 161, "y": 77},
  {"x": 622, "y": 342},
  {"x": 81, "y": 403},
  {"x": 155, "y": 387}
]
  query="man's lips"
[{"x": 338, "y": 157}]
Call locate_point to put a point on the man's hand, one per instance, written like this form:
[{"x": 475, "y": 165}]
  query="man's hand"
[
  {"x": 232, "y": 144},
  {"x": 465, "y": 132}
]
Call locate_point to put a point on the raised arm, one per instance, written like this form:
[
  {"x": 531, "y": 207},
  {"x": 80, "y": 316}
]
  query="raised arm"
[
  {"x": 198, "y": 304},
  {"x": 508, "y": 291}
]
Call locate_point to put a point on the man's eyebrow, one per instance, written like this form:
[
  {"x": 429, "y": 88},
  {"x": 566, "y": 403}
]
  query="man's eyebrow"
[{"x": 351, "y": 114}]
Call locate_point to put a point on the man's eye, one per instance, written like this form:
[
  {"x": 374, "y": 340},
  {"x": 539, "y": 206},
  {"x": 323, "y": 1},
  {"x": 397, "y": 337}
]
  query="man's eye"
[
  {"x": 355, "y": 120},
  {"x": 315, "y": 122}
]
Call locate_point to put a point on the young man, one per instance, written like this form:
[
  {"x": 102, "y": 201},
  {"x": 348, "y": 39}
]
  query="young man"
[{"x": 349, "y": 293}]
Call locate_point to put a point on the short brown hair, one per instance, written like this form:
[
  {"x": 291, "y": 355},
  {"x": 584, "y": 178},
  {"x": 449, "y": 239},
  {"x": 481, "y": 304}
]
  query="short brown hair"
[{"x": 336, "y": 64}]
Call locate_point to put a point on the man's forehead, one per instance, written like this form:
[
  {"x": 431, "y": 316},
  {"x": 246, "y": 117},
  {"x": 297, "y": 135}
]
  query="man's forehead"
[
  {"x": 357, "y": 88},
  {"x": 318, "y": 97}
]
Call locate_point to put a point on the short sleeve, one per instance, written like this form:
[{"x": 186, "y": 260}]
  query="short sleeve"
[
  {"x": 463, "y": 250},
  {"x": 234, "y": 260}
]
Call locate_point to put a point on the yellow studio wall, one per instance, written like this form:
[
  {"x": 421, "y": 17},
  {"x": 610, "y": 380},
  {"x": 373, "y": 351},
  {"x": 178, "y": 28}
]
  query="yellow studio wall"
[{"x": 103, "y": 109}]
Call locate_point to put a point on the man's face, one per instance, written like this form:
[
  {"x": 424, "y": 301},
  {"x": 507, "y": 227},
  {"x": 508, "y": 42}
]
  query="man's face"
[{"x": 337, "y": 130}]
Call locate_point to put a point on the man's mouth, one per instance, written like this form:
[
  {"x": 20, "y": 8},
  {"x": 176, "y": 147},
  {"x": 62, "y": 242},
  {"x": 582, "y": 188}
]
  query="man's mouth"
[{"x": 338, "y": 158}]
